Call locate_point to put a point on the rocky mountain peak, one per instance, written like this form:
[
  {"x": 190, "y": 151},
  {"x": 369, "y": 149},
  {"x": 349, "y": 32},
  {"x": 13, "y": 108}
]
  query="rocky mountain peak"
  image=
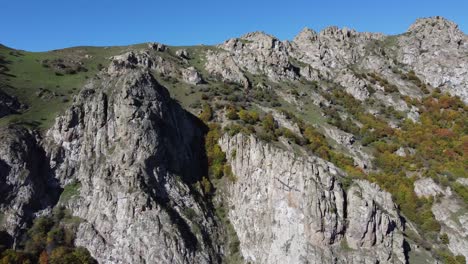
[
  {"x": 438, "y": 31},
  {"x": 432, "y": 46},
  {"x": 129, "y": 60},
  {"x": 261, "y": 40},
  {"x": 433, "y": 24},
  {"x": 258, "y": 35},
  {"x": 337, "y": 32},
  {"x": 257, "y": 40},
  {"x": 306, "y": 35}
]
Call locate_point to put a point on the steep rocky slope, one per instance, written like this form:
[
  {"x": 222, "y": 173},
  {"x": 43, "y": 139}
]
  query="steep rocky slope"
[
  {"x": 288, "y": 208},
  {"x": 335, "y": 147},
  {"x": 135, "y": 153},
  {"x": 437, "y": 50},
  {"x": 26, "y": 184}
]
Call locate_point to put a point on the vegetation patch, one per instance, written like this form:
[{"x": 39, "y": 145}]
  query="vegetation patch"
[
  {"x": 69, "y": 191},
  {"x": 437, "y": 143},
  {"x": 233, "y": 256},
  {"x": 49, "y": 240}
]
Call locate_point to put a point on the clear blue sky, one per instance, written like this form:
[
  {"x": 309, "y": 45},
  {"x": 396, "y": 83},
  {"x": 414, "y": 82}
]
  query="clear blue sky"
[{"x": 39, "y": 25}]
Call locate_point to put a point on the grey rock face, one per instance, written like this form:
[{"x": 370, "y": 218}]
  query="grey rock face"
[
  {"x": 374, "y": 222},
  {"x": 135, "y": 153},
  {"x": 130, "y": 60},
  {"x": 463, "y": 181},
  {"x": 453, "y": 216},
  {"x": 223, "y": 65},
  {"x": 182, "y": 53},
  {"x": 157, "y": 46},
  {"x": 426, "y": 187},
  {"x": 143, "y": 59},
  {"x": 436, "y": 49},
  {"x": 256, "y": 53},
  {"x": 341, "y": 137},
  {"x": 353, "y": 85},
  {"x": 348, "y": 141},
  {"x": 449, "y": 211},
  {"x": 401, "y": 152},
  {"x": 191, "y": 76},
  {"x": 287, "y": 208},
  {"x": 26, "y": 185},
  {"x": 332, "y": 48}
]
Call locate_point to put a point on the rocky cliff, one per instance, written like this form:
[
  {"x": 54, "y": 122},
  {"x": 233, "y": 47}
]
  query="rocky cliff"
[
  {"x": 26, "y": 184},
  {"x": 134, "y": 153},
  {"x": 287, "y": 208}
]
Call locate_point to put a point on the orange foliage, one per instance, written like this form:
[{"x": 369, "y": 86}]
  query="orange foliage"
[
  {"x": 444, "y": 133},
  {"x": 44, "y": 258}
]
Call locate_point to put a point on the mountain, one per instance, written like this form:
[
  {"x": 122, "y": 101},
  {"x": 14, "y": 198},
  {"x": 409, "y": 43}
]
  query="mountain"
[{"x": 335, "y": 147}]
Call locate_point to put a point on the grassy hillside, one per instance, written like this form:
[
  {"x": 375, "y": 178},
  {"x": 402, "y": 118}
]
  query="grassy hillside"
[{"x": 45, "y": 82}]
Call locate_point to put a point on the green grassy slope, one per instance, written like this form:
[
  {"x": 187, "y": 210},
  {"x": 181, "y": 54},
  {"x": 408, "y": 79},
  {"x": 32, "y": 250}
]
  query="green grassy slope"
[{"x": 45, "y": 89}]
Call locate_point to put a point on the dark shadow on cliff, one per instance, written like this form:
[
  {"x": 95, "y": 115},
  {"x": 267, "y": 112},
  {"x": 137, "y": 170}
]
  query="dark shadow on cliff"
[
  {"x": 6, "y": 241},
  {"x": 406, "y": 250},
  {"x": 195, "y": 169},
  {"x": 180, "y": 157},
  {"x": 186, "y": 148},
  {"x": 35, "y": 174},
  {"x": 4, "y": 187}
]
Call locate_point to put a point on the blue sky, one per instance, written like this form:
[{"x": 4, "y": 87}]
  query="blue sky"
[{"x": 50, "y": 24}]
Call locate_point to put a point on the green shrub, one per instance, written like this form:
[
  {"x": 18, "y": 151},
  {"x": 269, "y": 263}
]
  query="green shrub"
[
  {"x": 49, "y": 234},
  {"x": 461, "y": 190},
  {"x": 314, "y": 139},
  {"x": 11, "y": 256},
  {"x": 444, "y": 238},
  {"x": 287, "y": 133},
  {"x": 268, "y": 123},
  {"x": 448, "y": 258},
  {"x": 217, "y": 166},
  {"x": 66, "y": 255},
  {"x": 189, "y": 213},
  {"x": 266, "y": 136},
  {"x": 70, "y": 190},
  {"x": 216, "y": 170},
  {"x": 233, "y": 129},
  {"x": 249, "y": 117},
  {"x": 206, "y": 113},
  {"x": 228, "y": 173},
  {"x": 206, "y": 185},
  {"x": 231, "y": 113}
]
